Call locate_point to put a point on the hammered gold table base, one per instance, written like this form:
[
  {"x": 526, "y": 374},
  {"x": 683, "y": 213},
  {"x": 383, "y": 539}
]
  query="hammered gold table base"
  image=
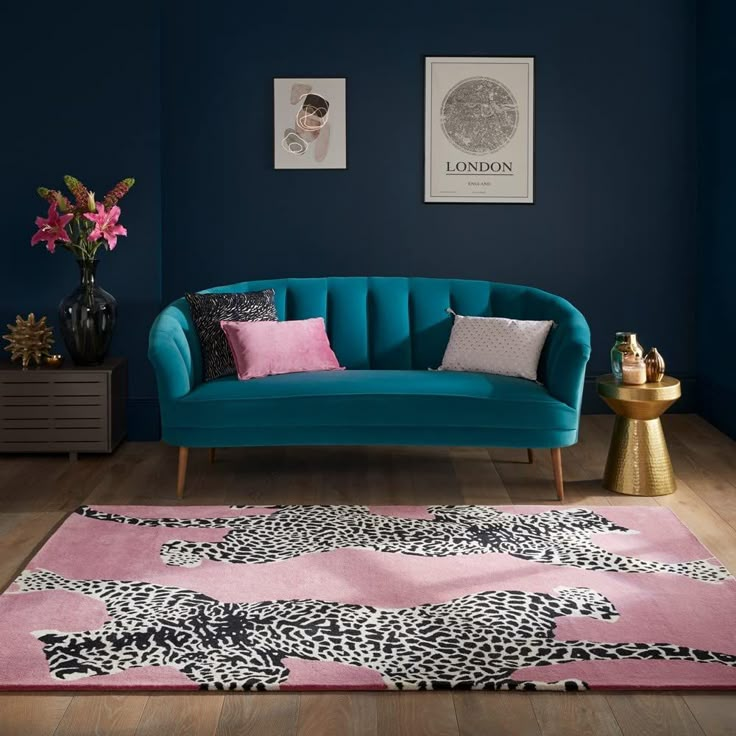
[{"x": 638, "y": 461}]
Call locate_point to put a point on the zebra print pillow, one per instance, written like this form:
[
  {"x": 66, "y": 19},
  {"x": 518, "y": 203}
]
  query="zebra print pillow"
[{"x": 207, "y": 312}]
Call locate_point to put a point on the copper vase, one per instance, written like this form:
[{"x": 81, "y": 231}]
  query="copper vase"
[{"x": 654, "y": 363}]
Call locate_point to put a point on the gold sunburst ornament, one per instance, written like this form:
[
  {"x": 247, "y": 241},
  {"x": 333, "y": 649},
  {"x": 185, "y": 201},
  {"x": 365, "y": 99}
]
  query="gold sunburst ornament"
[{"x": 29, "y": 340}]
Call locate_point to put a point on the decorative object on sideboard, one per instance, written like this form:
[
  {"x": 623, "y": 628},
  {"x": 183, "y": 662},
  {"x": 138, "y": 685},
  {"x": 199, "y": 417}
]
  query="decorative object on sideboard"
[
  {"x": 626, "y": 344},
  {"x": 654, "y": 366},
  {"x": 633, "y": 370},
  {"x": 29, "y": 340},
  {"x": 54, "y": 361},
  {"x": 87, "y": 316}
]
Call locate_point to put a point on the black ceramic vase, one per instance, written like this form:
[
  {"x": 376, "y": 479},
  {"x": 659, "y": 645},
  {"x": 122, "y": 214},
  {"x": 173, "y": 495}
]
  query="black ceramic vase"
[{"x": 87, "y": 318}]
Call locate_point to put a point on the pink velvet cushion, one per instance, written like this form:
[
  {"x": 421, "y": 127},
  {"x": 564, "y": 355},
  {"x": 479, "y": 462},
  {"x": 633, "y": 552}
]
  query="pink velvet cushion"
[{"x": 270, "y": 348}]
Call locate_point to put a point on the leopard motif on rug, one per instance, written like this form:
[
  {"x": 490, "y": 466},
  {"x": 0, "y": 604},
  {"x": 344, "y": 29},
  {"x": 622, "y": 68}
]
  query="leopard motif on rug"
[
  {"x": 478, "y": 641},
  {"x": 556, "y": 537}
]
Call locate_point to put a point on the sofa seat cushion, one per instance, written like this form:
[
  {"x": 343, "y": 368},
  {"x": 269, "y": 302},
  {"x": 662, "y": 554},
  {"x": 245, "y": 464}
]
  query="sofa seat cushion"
[{"x": 391, "y": 398}]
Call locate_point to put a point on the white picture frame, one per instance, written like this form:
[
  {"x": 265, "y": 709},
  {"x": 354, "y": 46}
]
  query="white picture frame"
[
  {"x": 479, "y": 129},
  {"x": 309, "y": 123}
]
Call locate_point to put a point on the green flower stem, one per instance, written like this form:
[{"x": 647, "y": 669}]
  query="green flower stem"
[{"x": 79, "y": 244}]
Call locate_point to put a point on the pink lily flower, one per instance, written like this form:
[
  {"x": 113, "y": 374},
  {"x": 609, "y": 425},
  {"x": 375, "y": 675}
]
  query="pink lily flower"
[
  {"x": 52, "y": 228},
  {"x": 106, "y": 225}
]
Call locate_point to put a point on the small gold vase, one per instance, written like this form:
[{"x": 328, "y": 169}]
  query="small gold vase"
[{"x": 654, "y": 363}]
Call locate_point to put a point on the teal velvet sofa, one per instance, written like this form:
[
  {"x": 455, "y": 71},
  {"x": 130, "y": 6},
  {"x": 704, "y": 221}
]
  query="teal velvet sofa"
[{"x": 387, "y": 332}]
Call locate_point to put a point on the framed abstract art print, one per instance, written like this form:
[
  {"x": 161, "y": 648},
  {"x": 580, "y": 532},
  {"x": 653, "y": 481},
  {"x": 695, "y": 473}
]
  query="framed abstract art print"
[{"x": 309, "y": 123}]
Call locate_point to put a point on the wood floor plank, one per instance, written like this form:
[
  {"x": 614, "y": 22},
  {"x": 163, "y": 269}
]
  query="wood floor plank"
[
  {"x": 399, "y": 479},
  {"x": 342, "y": 474},
  {"x": 202, "y": 486},
  {"x": 180, "y": 714},
  {"x": 417, "y": 714},
  {"x": 434, "y": 479},
  {"x": 27, "y": 481},
  {"x": 656, "y": 714},
  {"x": 126, "y": 476},
  {"x": 20, "y": 535},
  {"x": 712, "y": 449},
  {"x": 31, "y": 715},
  {"x": 259, "y": 714},
  {"x": 337, "y": 714},
  {"x": 711, "y": 529},
  {"x": 477, "y": 476},
  {"x": 582, "y": 714},
  {"x": 715, "y": 712},
  {"x": 72, "y": 483},
  {"x": 376, "y": 482},
  {"x": 502, "y": 714},
  {"x": 702, "y": 467},
  {"x": 524, "y": 482},
  {"x": 249, "y": 475},
  {"x": 698, "y": 433},
  {"x": 534, "y": 483},
  {"x": 102, "y": 714}
]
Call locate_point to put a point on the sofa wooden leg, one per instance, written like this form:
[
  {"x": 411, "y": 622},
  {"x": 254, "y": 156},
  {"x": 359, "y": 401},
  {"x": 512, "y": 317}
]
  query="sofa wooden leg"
[
  {"x": 182, "y": 476},
  {"x": 212, "y": 455},
  {"x": 530, "y": 455},
  {"x": 557, "y": 468}
]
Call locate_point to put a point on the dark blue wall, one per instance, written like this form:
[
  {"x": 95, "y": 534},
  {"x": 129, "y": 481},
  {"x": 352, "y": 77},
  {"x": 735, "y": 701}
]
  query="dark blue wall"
[
  {"x": 613, "y": 226},
  {"x": 189, "y": 114},
  {"x": 717, "y": 223},
  {"x": 81, "y": 96}
]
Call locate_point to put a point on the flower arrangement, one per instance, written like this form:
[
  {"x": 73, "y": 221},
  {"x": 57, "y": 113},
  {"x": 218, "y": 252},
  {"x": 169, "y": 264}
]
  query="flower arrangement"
[{"x": 81, "y": 226}]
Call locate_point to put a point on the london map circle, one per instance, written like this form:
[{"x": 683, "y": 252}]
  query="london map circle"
[{"x": 479, "y": 115}]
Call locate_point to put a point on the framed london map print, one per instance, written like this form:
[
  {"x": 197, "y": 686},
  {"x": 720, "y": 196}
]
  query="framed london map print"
[{"x": 479, "y": 129}]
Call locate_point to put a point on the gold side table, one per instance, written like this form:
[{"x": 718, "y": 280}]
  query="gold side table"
[{"x": 638, "y": 462}]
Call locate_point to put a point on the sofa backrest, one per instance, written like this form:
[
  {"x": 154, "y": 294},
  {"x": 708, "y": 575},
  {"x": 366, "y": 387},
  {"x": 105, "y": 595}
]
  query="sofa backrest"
[{"x": 394, "y": 322}]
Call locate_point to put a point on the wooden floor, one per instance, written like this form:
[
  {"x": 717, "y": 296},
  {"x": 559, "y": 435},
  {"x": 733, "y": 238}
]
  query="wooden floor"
[{"x": 37, "y": 492}]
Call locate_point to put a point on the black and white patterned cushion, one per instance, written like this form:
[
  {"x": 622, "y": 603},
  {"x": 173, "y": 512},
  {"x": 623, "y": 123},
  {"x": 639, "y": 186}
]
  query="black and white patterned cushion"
[{"x": 207, "y": 312}]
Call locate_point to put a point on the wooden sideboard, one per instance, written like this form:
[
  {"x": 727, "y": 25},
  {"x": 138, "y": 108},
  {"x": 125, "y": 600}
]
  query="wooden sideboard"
[{"x": 68, "y": 409}]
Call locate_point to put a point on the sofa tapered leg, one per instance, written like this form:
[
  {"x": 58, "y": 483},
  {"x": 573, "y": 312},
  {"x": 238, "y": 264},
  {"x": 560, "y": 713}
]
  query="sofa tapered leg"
[
  {"x": 182, "y": 475},
  {"x": 530, "y": 455},
  {"x": 557, "y": 469},
  {"x": 212, "y": 455}
]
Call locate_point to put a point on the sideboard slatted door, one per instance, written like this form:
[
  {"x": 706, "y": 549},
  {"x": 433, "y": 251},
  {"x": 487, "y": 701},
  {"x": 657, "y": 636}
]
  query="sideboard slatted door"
[{"x": 62, "y": 409}]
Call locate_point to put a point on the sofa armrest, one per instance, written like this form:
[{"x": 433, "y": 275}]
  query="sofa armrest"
[
  {"x": 568, "y": 358},
  {"x": 170, "y": 354}
]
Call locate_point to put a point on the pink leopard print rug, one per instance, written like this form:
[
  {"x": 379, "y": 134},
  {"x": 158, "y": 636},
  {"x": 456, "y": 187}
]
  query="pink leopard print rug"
[{"x": 359, "y": 597}]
